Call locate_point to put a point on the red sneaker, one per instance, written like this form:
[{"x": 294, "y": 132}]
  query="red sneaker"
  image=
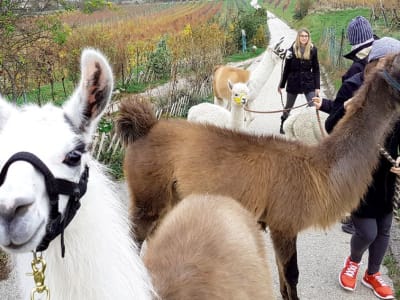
[
  {"x": 378, "y": 285},
  {"x": 348, "y": 276}
]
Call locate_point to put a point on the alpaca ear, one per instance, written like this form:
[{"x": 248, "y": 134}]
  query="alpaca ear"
[
  {"x": 86, "y": 106},
  {"x": 6, "y": 109},
  {"x": 230, "y": 84}
]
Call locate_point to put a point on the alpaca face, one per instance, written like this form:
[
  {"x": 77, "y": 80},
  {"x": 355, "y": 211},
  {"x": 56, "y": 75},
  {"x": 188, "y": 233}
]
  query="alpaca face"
[
  {"x": 240, "y": 93},
  {"x": 60, "y": 138}
]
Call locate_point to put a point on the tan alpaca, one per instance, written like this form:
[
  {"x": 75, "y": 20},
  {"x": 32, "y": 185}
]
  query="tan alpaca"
[
  {"x": 209, "y": 247},
  {"x": 287, "y": 185},
  {"x": 221, "y": 76}
]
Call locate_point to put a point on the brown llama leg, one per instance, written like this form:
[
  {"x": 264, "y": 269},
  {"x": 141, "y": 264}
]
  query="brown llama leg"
[{"x": 286, "y": 258}]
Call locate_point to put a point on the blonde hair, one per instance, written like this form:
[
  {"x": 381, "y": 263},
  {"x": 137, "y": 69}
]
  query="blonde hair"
[{"x": 297, "y": 45}]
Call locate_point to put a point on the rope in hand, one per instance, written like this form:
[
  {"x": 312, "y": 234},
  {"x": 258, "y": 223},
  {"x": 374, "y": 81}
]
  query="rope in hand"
[
  {"x": 273, "y": 111},
  {"x": 396, "y": 196}
]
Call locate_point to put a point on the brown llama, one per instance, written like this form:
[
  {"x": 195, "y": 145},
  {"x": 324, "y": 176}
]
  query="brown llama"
[
  {"x": 209, "y": 247},
  {"x": 288, "y": 185}
]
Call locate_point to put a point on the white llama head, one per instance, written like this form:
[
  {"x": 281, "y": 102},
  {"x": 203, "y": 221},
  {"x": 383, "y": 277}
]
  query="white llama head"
[
  {"x": 60, "y": 138},
  {"x": 240, "y": 92}
]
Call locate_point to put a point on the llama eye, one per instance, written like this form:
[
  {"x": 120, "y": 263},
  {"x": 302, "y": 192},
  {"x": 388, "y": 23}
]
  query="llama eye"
[{"x": 73, "y": 158}]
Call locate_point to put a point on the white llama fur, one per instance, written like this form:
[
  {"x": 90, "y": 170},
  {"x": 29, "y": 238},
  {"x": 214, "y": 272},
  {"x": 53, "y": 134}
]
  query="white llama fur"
[
  {"x": 304, "y": 126},
  {"x": 101, "y": 260},
  {"x": 208, "y": 113}
]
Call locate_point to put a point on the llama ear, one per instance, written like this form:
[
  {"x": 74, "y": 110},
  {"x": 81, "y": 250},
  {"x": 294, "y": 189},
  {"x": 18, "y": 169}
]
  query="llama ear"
[
  {"x": 230, "y": 84},
  {"x": 86, "y": 106},
  {"x": 6, "y": 109}
]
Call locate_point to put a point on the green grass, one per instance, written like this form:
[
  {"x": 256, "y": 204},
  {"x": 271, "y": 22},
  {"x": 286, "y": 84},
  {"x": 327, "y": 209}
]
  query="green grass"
[
  {"x": 45, "y": 95},
  {"x": 240, "y": 56},
  {"x": 394, "y": 273},
  {"x": 318, "y": 21},
  {"x": 140, "y": 87}
]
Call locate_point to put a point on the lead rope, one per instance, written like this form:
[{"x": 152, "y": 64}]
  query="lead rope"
[{"x": 396, "y": 196}]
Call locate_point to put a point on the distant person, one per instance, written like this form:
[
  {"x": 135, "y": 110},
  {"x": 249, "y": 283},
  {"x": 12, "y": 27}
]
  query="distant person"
[
  {"x": 361, "y": 37},
  {"x": 373, "y": 218},
  {"x": 300, "y": 73}
]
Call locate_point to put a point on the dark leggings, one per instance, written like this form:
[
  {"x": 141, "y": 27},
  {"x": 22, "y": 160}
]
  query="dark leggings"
[
  {"x": 291, "y": 99},
  {"x": 372, "y": 234}
]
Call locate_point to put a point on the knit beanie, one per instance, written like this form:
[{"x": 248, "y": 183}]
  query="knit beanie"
[
  {"x": 382, "y": 47},
  {"x": 359, "y": 31}
]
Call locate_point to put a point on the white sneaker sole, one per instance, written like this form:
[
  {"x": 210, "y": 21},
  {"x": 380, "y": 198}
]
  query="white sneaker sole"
[{"x": 376, "y": 294}]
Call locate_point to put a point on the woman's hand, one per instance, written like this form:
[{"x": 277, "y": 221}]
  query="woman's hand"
[
  {"x": 396, "y": 168},
  {"x": 279, "y": 90},
  {"x": 317, "y": 102},
  {"x": 316, "y": 92}
]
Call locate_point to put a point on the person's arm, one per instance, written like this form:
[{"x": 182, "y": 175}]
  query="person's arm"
[
  {"x": 315, "y": 71},
  {"x": 338, "y": 109},
  {"x": 323, "y": 104},
  {"x": 326, "y": 105}
]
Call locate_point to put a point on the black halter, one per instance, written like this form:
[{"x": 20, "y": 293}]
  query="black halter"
[
  {"x": 391, "y": 81},
  {"x": 54, "y": 186}
]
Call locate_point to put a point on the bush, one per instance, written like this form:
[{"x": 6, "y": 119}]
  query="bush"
[
  {"x": 302, "y": 8},
  {"x": 254, "y": 22},
  {"x": 159, "y": 61}
]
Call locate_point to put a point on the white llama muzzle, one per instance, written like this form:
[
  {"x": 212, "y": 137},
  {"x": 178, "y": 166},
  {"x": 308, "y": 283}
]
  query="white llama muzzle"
[{"x": 54, "y": 187}]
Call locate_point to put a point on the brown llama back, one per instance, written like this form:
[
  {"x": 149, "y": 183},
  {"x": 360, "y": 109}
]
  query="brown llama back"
[
  {"x": 220, "y": 82},
  {"x": 209, "y": 247}
]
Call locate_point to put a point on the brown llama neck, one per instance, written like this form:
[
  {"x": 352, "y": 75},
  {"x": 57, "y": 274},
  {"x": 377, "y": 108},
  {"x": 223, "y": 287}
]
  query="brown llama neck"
[{"x": 351, "y": 153}]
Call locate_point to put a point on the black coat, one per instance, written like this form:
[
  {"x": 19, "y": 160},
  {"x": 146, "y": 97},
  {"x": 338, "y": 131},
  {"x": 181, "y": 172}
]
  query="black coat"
[
  {"x": 358, "y": 64},
  {"x": 300, "y": 75},
  {"x": 378, "y": 200}
]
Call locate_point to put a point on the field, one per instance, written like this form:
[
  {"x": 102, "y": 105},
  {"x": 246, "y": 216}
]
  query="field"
[{"x": 41, "y": 53}]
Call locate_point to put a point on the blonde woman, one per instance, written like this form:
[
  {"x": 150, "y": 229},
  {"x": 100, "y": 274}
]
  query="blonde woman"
[{"x": 300, "y": 73}]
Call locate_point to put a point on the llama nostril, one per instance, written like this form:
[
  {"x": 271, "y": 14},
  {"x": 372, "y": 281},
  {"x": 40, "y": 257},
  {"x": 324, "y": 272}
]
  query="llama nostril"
[
  {"x": 17, "y": 207},
  {"x": 21, "y": 210}
]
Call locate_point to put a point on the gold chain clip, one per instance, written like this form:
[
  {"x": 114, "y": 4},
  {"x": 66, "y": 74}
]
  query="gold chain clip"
[{"x": 38, "y": 265}]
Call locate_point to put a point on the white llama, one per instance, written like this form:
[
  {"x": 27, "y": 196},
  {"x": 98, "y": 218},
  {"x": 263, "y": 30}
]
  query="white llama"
[
  {"x": 101, "y": 260},
  {"x": 255, "y": 78},
  {"x": 305, "y": 126},
  {"x": 208, "y": 113},
  {"x": 46, "y": 171}
]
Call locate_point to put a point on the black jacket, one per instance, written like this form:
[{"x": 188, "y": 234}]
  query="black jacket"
[
  {"x": 378, "y": 200},
  {"x": 358, "y": 64},
  {"x": 300, "y": 75}
]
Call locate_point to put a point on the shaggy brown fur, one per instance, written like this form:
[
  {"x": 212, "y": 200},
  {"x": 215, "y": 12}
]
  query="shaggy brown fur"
[
  {"x": 209, "y": 247},
  {"x": 287, "y": 185},
  {"x": 222, "y": 93}
]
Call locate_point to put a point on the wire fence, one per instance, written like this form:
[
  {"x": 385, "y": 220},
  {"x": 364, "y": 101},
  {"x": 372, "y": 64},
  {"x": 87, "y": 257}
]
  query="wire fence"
[{"x": 106, "y": 145}]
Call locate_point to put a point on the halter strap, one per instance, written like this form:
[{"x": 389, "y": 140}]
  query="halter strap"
[
  {"x": 391, "y": 81},
  {"x": 54, "y": 186}
]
